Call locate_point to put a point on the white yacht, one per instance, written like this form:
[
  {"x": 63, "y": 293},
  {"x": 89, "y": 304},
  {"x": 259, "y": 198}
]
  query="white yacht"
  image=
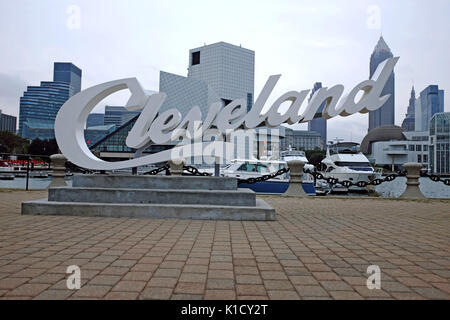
[
  {"x": 244, "y": 169},
  {"x": 6, "y": 171},
  {"x": 344, "y": 161}
]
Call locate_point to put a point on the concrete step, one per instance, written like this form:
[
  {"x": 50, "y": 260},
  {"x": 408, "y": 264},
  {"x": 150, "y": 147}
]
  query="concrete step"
[
  {"x": 154, "y": 182},
  {"x": 262, "y": 211},
  {"x": 239, "y": 197}
]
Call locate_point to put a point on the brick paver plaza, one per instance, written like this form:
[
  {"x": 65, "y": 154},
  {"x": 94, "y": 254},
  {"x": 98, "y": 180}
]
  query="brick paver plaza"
[{"x": 319, "y": 248}]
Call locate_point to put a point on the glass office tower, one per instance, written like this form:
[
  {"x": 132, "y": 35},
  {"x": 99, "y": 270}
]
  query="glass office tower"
[
  {"x": 68, "y": 73},
  {"x": 42, "y": 103},
  {"x": 440, "y": 143},
  {"x": 430, "y": 102},
  {"x": 386, "y": 114},
  {"x": 319, "y": 125}
]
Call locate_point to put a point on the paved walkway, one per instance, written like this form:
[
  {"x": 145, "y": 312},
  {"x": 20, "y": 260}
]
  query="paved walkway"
[{"x": 318, "y": 248}]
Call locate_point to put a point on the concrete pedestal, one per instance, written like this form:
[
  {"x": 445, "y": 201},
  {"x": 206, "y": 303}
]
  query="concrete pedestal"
[
  {"x": 295, "y": 188},
  {"x": 58, "y": 162},
  {"x": 412, "y": 183},
  {"x": 181, "y": 197}
]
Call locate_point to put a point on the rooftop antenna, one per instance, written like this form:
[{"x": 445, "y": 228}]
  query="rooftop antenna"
[{"x": 338, "y": 140}]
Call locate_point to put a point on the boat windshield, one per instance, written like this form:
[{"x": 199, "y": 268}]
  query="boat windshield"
[
  {"x": 360, "y": 166},
  {"x": 293, "y": 153},
  {"x": 254, "y": 167},
  {"x": 345, "y": 148}
]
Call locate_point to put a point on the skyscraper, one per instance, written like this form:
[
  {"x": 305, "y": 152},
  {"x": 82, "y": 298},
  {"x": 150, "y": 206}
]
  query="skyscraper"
[
  {"x": 7, "y": 123},
  {"x": 220, "y": 72},
  {"x": 42, "y": 103},
  {"x": 319, "y": 125},
  {"x": 228, "y": 69},
  {"x": 409, "y": 121},
  {"x": 69, "y": 73},
  {"x": 183, "y": 93},
  {"x": 386, "y": 114},
  {"x": 430, "y": 102}
]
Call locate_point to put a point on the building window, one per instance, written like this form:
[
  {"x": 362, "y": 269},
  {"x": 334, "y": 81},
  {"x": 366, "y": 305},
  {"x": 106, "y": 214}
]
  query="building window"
[
  {"x": 411, "y": 147},
  {"x": 418, "y": 147},
  {"x": 425, "y": 147},
  {"x": 419, "y": 158},
  {"x": 195, "y": 58},
  {"x": 425, "y": 158}
]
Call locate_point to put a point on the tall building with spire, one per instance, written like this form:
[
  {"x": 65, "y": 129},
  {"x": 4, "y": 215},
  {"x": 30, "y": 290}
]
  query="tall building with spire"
[
  {"x": 409, "y": 121},
  {"x": 384, "y": 115}
]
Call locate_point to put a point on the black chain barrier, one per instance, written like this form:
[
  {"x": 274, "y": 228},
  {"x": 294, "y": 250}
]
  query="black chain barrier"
[
  {"x": 435, "y": 178},
  {"x": 361, "y": 184},
  {"x": 194, "y": 171},
  {"x": 264, "y": 177},
  {"x": 158, "y": 170},
  {"x": 317, "y": 175},
  {"x": 190, "y": 169}
]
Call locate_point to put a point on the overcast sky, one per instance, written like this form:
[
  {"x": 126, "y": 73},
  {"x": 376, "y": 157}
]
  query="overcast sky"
[{"x": 305, "y": 41}]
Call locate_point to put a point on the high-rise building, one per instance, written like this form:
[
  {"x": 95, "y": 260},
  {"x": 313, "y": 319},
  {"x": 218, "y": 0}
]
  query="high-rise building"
[
  {"x": 7, "y": 123},
  {"x": 440, "y": 143},
  {"x": 384, "y": 115},
  {"x": 69, "y": 73},
  {"x": 183, "y": 93},
  {"x": 319, "y": 124},
  {"x": 228, "y": 69},
  {"x": 42, "y": 103},
  {"x": 301, "y": 140},
  {"x": 118, "y": 115},
  {"x": 95, "y": 120},
  {"x": 409, "y": 121},
  {"x": 219, "y": 72},
  {"x": 430, "y": 102}
]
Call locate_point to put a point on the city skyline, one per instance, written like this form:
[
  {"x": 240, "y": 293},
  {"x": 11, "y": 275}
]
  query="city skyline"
[{"x": 322, "y": 54}]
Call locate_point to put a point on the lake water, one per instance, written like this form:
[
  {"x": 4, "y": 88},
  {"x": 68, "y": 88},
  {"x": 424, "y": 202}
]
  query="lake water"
[{"x": 391, "y": 189}]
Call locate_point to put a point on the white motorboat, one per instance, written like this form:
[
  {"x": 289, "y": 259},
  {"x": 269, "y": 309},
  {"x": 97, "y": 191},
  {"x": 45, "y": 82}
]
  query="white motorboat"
[
  {"x": 245, "y": 169},
  {"x": 6, "y": 171},
  {"x": 344, "y": 161}
]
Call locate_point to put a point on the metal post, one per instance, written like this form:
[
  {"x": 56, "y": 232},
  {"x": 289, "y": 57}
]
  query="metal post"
[
  {"x": 28, "y": 172},
  {"x": 217, "y": 167},
  {"x": 134, "y": 171}
]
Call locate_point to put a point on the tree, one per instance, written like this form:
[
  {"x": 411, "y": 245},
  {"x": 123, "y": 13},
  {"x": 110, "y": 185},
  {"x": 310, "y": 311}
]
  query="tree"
[
  {"x": 315, "y": 156},
  {"x": 12, "y": 143},
  {"x": 43, "y": 147}
]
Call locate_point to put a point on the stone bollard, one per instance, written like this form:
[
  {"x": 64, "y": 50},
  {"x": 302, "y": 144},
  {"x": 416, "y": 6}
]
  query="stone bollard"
[
  {"x": 295, "y": 179},
  {"x": 412, "y": 181},
  {"x": 176, "y": 167},
  {"x": 58, "y": 162}
]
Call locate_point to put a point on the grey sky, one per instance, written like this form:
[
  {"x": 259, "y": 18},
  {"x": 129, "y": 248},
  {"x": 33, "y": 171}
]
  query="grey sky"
[{"x": 305, "y": 41}]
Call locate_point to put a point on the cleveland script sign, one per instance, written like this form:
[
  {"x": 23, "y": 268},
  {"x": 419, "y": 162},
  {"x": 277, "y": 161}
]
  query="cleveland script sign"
[{"x": 169, "y": 126}]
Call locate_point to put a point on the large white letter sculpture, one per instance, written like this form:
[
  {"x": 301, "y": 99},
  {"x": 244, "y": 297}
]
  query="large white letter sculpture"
[{"x": 166, "y": 127}]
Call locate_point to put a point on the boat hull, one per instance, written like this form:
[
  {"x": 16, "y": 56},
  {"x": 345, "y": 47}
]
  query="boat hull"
[{"x": 277, "y": 187}]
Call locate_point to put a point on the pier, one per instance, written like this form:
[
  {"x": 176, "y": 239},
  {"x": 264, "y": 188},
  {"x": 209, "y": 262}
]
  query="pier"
[{"x": 319, "y": 248}]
